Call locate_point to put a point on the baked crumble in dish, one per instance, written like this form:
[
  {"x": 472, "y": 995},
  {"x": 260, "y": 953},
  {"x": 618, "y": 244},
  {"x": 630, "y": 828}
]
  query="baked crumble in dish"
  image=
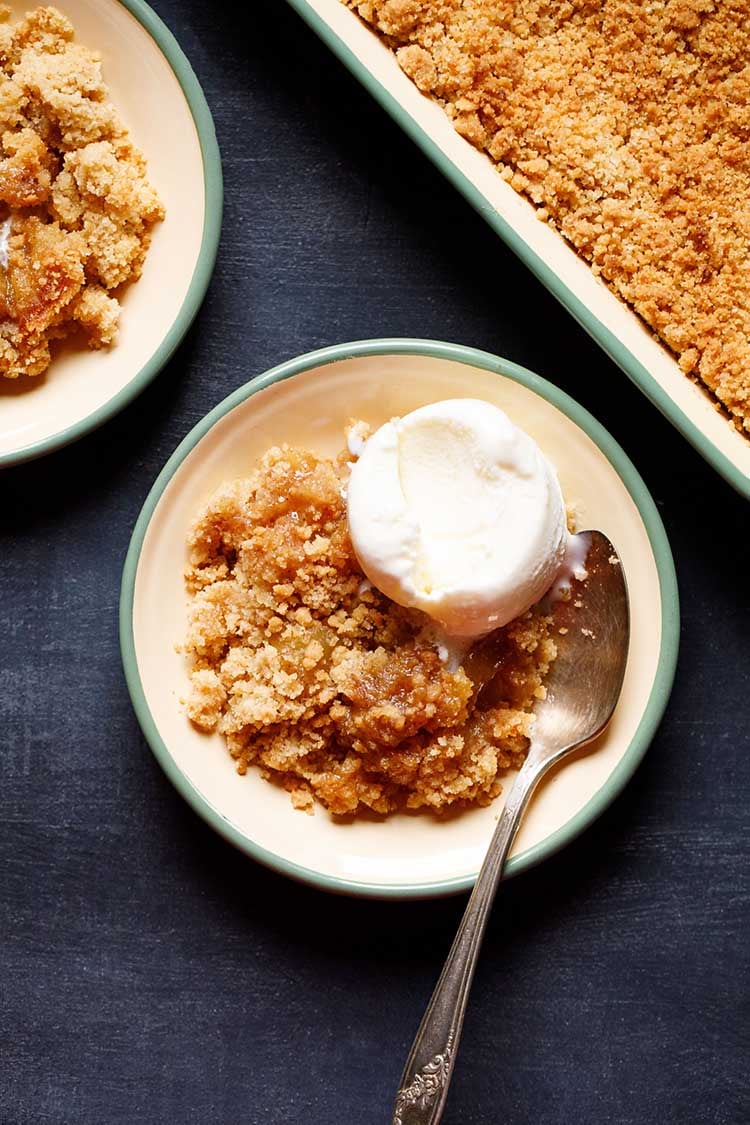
[
  {"x": 76, "y": 207},
  {"x": 627, "y": 124},
  {"x": 314, "y": 676}
]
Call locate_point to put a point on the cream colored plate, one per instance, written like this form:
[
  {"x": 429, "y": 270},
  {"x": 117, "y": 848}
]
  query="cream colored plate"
[
  {"x": 612, "y": 323},
  {"x": 170, "y": 122},
  {"x": 406, "y": 854}
]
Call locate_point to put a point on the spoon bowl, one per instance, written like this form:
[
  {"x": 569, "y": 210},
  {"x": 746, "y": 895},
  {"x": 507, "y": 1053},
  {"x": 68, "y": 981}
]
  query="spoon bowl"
[{"x": 591, "y": 626}]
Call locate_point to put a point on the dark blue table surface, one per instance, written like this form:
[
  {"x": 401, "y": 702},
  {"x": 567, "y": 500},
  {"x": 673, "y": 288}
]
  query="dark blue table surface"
[{"x": 148, "y": 972}]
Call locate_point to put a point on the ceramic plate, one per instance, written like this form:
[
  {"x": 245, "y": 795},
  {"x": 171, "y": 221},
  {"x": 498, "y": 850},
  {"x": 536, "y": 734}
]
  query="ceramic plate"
[
  {"x": 605, "y": 317},
  {"x": 158, "y": 96},
  {"x": 308, "y": 401}
]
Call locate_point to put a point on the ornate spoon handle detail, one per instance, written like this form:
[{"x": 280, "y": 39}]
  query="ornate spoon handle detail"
[
  {"x": 424, "y": 1083},
  {"x": 582, "y": 689}
]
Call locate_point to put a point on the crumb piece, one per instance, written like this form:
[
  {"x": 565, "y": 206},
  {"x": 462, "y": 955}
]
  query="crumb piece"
[
  {"x": 418, "y": 64},
  {"x": 207, "y": 698},
  {"x": 302, "y": 799},
  {"x": 98, "y": 314}
]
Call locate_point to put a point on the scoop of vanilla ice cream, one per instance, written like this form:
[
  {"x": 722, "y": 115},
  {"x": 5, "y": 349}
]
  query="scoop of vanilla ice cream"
[{"x": 455, "y": 511}]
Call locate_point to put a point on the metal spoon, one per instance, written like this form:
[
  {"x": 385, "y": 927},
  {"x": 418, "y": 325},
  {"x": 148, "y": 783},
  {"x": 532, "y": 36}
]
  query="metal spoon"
[{"x": 591, "y": 631}]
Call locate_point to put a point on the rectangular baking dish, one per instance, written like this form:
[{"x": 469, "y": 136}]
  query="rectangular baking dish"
[{"x": 614, "y": 326}]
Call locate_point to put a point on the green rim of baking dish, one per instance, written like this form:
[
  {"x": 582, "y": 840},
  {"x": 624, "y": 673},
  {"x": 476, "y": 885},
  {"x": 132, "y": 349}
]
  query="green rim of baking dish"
[
  {"x": 668, "y": 647},
  {"x": 214, "y": 199},
  {"x": 611, "y": 344}
]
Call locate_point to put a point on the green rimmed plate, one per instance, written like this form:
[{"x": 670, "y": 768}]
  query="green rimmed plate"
[
  {"x": 308, "y": 401},
  {"x": 154, "y": 88},
  {"x": 622, "y": 335}
]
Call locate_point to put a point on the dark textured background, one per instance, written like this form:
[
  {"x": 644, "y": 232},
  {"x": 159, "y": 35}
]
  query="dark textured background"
[{"x": 148, "y": 973}]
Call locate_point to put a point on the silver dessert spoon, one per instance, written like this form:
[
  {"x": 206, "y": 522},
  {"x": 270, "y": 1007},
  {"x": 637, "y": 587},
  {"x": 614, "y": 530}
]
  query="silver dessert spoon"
[{"x": 591, "y": 630}]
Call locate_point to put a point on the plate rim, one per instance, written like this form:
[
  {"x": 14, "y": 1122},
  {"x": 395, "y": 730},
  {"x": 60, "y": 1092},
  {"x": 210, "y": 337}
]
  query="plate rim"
[
  {"x": 634, "y": 484},
  {"x": 213, "y": 186},
  {"x": 610, "y": 343}
]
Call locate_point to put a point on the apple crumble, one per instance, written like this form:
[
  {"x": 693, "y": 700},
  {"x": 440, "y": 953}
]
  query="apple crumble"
[
  {"x": 627, "y": 125},
  {"x": 76, "y": 208},
  {"x": 318, "y": 679}
]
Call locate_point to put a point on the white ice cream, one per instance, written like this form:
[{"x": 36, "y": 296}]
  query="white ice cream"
[
  {"x": 4, "y": 237},
  {"x": 455, "y": 511}
]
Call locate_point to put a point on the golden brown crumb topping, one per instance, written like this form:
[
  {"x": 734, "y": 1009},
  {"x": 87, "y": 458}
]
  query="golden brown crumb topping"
[
  {"x": 627, "y": 124},
  {"x": 73, "y": 190},
  {"x": 316, "y": 677}
]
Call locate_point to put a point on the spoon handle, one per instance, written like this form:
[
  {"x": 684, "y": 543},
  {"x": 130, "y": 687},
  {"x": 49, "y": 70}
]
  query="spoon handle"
[{"x": 424, "y": 1083}]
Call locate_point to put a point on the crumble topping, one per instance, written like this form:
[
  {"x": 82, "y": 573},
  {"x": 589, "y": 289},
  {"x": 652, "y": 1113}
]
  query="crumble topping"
[
  {"x": 627, "y": 125},
  {"x": 314, "y": 676},
  {"x": 75, "y": 203}
]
